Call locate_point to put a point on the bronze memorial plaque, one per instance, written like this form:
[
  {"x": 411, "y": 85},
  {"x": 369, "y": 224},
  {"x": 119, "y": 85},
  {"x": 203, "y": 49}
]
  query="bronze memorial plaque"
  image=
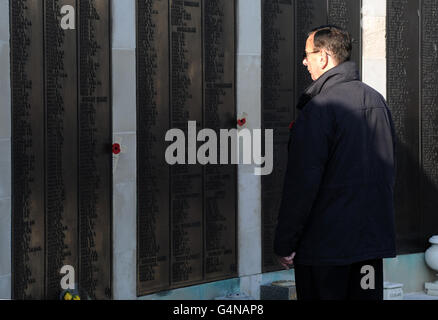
[
  {"x": 153, "y": 184},
  {"x": 95, "y": 158},
  {"x": 28, "y": 180},
  {"x": 186, "y": 231},
  {"x": 412, "y": 95},
  {"x": 403, "y": 100},
  {"x": 278, "y": 108},
  {"x": 429, "y": 119},
  {"x": 60, "y": 53},
  {"x": 61, "y": 108},
  {"x": 220, "y": 192},
  {"x": 186, "y": 190}
]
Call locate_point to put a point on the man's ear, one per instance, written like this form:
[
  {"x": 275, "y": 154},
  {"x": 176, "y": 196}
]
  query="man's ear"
[{"x": 324, "y": 60}]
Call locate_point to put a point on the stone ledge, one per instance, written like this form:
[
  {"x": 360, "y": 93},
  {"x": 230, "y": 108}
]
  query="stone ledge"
[{"x": 419, "y": 296}]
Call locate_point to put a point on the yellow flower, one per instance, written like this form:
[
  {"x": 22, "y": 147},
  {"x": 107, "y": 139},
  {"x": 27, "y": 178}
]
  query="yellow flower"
[{"x": 68, "y": 296}]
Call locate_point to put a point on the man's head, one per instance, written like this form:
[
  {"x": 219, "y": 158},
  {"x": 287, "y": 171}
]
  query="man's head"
[{"x": 326, "y": 47}]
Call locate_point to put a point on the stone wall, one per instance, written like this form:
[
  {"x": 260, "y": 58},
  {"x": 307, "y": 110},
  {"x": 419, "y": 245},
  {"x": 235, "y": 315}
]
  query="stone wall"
[
  {"x": 5, "y": 154},
  {"x": 124, "y": 164},
  {"x": 374, "y": 44}
]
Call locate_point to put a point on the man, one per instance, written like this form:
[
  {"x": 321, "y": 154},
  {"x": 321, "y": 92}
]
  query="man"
[{"x": 336, "y": 220}]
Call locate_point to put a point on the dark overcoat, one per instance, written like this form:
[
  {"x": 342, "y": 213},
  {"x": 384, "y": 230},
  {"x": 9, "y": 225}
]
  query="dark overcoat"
[{"x": 337, "y": 205}]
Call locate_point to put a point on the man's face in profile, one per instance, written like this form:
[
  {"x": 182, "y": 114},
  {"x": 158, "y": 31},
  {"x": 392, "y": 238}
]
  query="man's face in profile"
[{"x": 311, "y": 59}]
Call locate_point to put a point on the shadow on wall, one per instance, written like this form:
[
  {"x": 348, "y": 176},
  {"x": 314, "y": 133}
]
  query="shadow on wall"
[
  {"x": 416, "y": 205},
  {"x": 415, "y": 198}
]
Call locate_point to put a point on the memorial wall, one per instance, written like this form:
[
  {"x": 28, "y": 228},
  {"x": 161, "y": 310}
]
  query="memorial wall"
[
  {"x": 186, "y": 213},
  {"x": 412, "y": 55},
  {"x": 284, "y": 33},
  {"x": 61, "y": 147}
]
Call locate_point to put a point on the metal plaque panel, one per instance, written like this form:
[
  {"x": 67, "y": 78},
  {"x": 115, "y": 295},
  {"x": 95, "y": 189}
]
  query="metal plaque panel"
[
  {"x": 220, "y": 200},
  {"x": 186, "y": 222},
  {"x": 61, "y": 148},
  {"x": 61, "y": 140},
  {"x": 186, "y": 231},
  {"x": 412, "y": 96},
  {"x": 28, "y": 249},
  {"x": 278, "y": 109},
  {"x": 404, "y": 101},
  {"x": 153, "y": 181},
  {"x": 429, "y": 118},
  {"x": 95, "y": 136}
]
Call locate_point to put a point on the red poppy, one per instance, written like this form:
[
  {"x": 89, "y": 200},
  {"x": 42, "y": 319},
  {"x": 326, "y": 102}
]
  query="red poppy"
[
  {"x": 291, "y": 125},
  {"x": 116, "y": 148},
  {"x": 241, "y": 122}
]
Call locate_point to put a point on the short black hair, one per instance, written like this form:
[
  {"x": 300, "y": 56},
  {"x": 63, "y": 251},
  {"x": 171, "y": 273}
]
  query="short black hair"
[{"x": 335, "y": 40}]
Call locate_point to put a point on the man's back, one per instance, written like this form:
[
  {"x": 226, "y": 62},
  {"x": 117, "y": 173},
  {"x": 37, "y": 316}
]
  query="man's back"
[
  {"x": 362, "y": 135},
  {"x": 342, "y": 150}
]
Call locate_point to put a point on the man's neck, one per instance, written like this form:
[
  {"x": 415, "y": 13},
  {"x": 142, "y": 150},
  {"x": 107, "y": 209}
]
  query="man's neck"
[{"x": 326, "y": 69}]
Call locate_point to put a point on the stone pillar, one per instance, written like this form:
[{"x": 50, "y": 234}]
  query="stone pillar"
[
  {"x": 248, "y": 33},
  {"x": 5, "y": 154},
  {"x": 124, "y": 164},
  {"x": 374, "y": 44}
]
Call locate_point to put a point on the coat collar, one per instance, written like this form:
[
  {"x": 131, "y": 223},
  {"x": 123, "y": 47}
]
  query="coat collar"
[{"x": 344, "y": 72}]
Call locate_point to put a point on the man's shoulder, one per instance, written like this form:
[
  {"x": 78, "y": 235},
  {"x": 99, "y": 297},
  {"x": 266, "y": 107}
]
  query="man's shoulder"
[
  {"x": 370, "y": 90},
  {"x": 350, "y": 93},
  {"x": 354, "y": 86}
]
